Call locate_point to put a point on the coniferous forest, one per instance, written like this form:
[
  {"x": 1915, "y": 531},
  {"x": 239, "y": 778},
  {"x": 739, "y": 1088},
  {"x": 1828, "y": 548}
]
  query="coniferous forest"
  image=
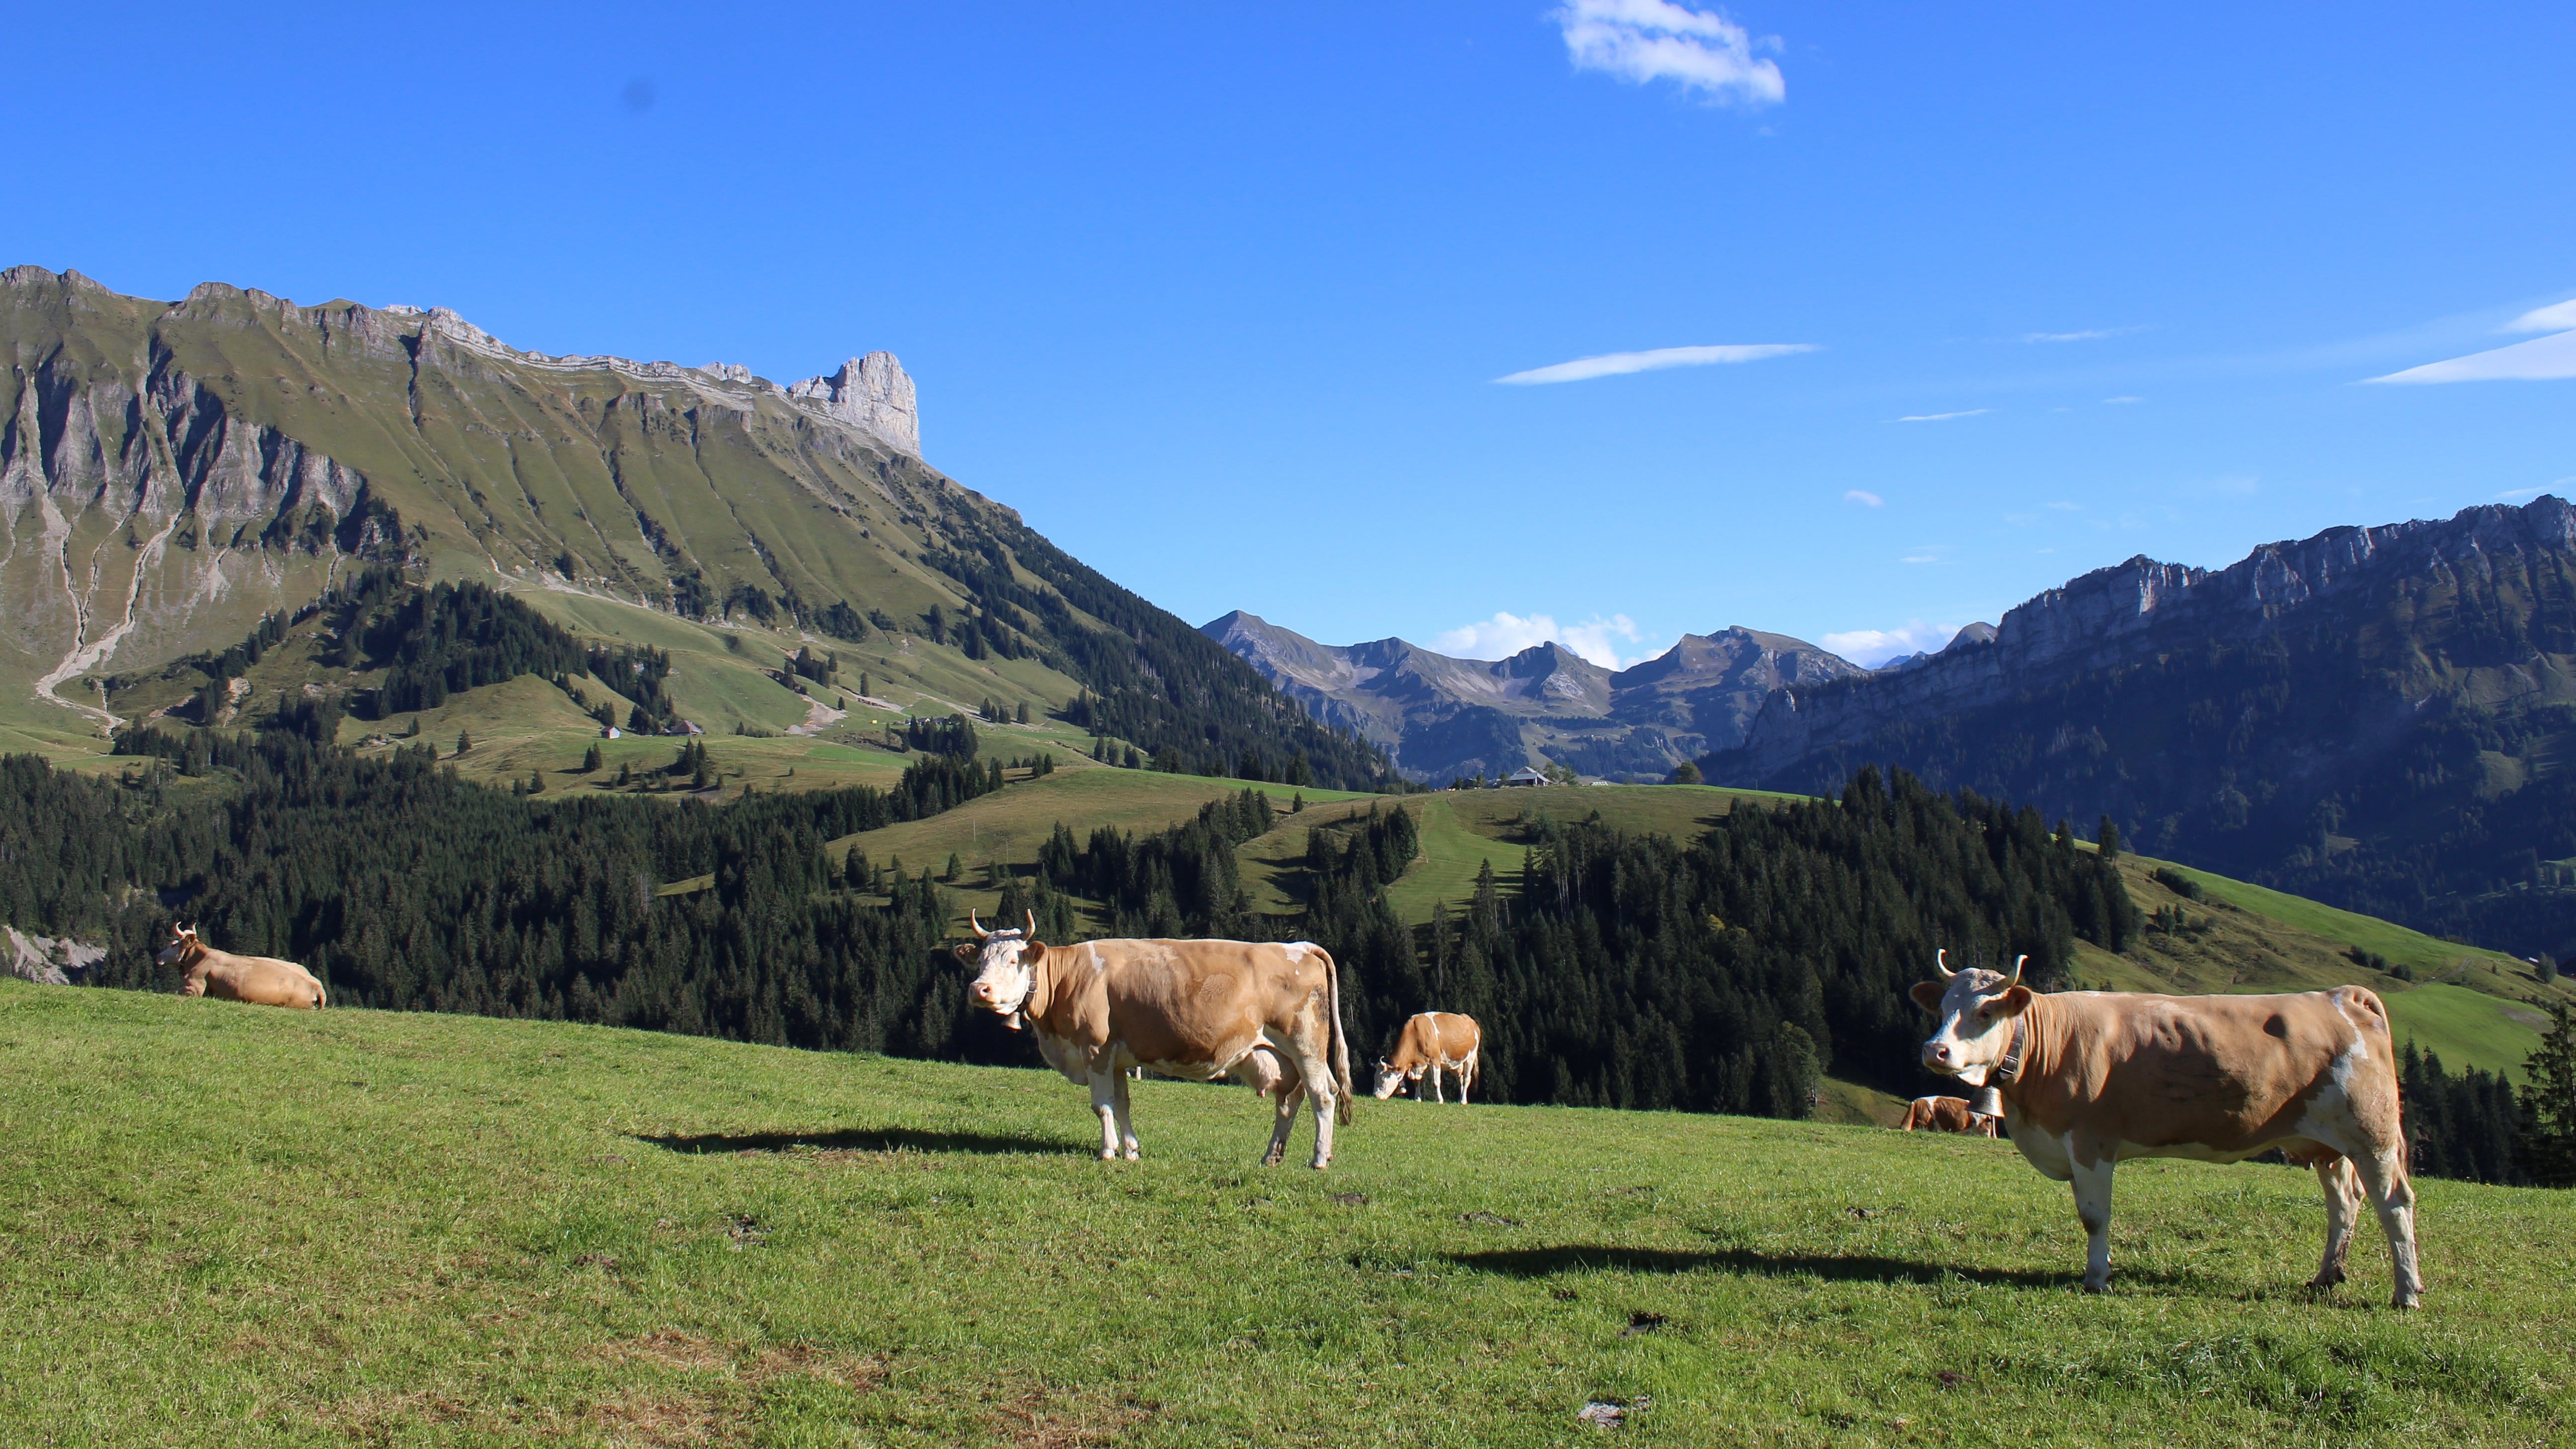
[{"x": 1725, "y": 974}]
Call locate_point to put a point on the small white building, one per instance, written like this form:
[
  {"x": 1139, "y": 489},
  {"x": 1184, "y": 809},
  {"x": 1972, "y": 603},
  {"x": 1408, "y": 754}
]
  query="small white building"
[
  {"x": 611, "y": 733},
  {"x": 1526, "y": 775}
]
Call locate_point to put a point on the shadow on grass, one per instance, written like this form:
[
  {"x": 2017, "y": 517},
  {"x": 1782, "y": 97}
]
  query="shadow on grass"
[
  {"x": 1860, "y": 1267},
  {"x": 861, "y": 1139}
]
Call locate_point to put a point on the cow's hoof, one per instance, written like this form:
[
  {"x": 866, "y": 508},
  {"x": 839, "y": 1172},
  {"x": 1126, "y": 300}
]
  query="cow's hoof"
[
  {"x": 1270, "y": 1159},
  {"x": 2092, "y": 1287},
  {"x": 2325, "y": 1282},
  {"x": 1132, "y": 1154},
  {"x": 1320, "y": 1164},
  {"x": 1109, "y": 1157},
  {"x": 2407, "y": 1300}
]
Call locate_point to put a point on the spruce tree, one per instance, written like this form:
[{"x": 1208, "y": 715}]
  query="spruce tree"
[
  {"x": 2548, "y": 1148},
  {"x": 2107, "y": 836}
]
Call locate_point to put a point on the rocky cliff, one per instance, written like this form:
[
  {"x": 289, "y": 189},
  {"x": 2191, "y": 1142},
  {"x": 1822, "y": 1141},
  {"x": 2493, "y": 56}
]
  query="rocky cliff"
[{"x": 1439, "y": 717}]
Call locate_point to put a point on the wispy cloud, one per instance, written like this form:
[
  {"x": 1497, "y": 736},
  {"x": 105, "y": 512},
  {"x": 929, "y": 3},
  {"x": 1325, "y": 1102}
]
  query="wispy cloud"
[
  {"x": 2123, "y": 401},
  {"x": 1864, "y": 498},
  {"x": 1611, "y": 364},
  {"x": 1920, "y": 558},
  {"x": 2522, "y": 493},
  {"x": 2540, "y": 359},
  {"x": 2557, "y": 317},
  {"x": 1645, "y": 40},
  {"x": 1871, "y": 648},
  {"x": 2094, "y": 334},
  {"x": 1506, "y": 634},
  {"x": 1945, "y": 417}
]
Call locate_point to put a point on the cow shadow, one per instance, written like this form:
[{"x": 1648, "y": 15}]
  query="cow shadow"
[
  {"x": 1744, "y": 1262},
  {"x": 858, "y": 1139}
]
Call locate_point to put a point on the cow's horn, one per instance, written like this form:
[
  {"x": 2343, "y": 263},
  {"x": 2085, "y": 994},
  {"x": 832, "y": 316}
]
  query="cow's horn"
[
  {"x": 1033, "y": 925},
  {"x": 1941, "y": 963},
  {"x": 2015, "y": 978},
  {"x": 980, "y": 932}
]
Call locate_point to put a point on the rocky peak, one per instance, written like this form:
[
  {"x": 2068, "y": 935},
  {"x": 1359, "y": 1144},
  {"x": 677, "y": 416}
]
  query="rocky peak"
[{"x": 873, "y": 393}]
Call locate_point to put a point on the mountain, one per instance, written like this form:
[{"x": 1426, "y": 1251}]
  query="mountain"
[
  {"x": 173, "y": 472},
  {"x": 1439, "y": 718},
  {"x": 2375, "y": 717}
]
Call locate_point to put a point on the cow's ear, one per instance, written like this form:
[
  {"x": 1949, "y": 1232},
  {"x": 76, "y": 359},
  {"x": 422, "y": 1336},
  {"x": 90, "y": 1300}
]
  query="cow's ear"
[
  {"x": 1032, "y": 954},
  {"x": 2013, "y": 1002},
  {"x": 1928, "y": 994},
  {"x": 968, "y": 953}
]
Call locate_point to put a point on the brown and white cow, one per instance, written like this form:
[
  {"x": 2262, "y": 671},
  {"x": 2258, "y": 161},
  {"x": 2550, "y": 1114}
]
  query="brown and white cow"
[
  {"x": 1946, "y": 1114},
  {"x": 2088, "y": 1078},
  {"x": 1261, "y": 1013},
  {"x": 1432, "y": 1042},
  {"x": 260, "y": 980}
]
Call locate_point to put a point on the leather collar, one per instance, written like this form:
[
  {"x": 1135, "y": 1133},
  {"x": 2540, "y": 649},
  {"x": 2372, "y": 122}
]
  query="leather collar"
[{"x": 2009, "y": 1069}]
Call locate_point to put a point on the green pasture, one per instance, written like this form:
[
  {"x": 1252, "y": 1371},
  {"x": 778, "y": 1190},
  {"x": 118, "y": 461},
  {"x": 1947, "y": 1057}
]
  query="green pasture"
[
  {"x": 225, "y": 1225},
  {"x": 2428, "y": 955}
]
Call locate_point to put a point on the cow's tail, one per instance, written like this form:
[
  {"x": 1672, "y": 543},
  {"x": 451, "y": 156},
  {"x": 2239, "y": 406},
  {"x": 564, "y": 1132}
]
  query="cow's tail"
[{"x": 1341, "y": 1043}]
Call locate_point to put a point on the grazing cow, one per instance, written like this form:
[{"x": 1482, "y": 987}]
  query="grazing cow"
[
  {"x": 1432, "y": 1042},
  {"x": 2087, "y": 1078},
  {"x": 260, "y": 980},
  {"x": 1947, "y": 1114},
  {"x": 1265, "y": 1014}
]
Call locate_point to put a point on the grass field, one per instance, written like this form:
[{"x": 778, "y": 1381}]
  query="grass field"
[{"x": 242, "y": 1226}]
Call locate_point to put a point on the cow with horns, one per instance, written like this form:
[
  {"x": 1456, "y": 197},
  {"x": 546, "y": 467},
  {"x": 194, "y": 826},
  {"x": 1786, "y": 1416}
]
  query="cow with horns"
[
  {"x": 2084, "y": 1079},
  {"x": 1263, "y": 1013}
]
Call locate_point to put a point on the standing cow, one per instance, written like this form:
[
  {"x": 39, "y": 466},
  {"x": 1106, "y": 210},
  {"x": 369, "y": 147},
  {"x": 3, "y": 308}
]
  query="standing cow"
[
  {"x": 260, "y": 980},
  {"x": 2087, "y": 1078},
  {"x": 1432, "y": 1042},
  {"x": 1262, "y": 1013},
  {"x": 1947, "y": 1114}
]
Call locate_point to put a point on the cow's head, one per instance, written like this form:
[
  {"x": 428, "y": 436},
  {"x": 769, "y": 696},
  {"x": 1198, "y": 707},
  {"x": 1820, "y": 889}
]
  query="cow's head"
[
  {"x": 183, "y": 944},
  {"x": 1005, "y": 965},
  {"x": 1389, "y": 1080},
  {"x": 1976, "y": 1008}
]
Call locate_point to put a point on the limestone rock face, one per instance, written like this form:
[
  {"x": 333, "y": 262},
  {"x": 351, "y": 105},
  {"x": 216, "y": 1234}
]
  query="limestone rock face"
[{"x": 871, "y": 392}]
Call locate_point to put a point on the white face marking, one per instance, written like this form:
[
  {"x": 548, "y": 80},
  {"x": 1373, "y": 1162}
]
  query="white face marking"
[
  {"x": 1296, "y": 950},
  {"x": 1973, "y": 1036},
  {"x": 1002, "y": 981}
]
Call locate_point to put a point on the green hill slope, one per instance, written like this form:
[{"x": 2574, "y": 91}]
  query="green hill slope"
[{"x": 245, "y": 1225}]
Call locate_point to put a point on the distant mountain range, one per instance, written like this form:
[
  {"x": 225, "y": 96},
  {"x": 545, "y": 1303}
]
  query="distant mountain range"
[{"x": 1440, "y": 718}]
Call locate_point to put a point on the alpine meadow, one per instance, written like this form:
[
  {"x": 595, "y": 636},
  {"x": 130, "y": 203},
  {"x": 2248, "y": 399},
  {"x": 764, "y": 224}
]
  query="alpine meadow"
[{"x": 1880, "y": 753}]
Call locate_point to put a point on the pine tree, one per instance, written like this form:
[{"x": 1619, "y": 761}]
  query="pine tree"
[
  {"x": 592, "y": 760},
  {"x": 464, "y": 742},
  {"x": 2548, "y": 1148},
  {"x": 2107, "y": 836}
]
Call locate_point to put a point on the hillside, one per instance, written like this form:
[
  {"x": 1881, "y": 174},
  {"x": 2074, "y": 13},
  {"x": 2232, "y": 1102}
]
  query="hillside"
[
  {"x": 459, "y": 1231},
  {"x": 2372, "y": 717},
  {"x": 1441, "y": 719},
  {"x": 170, "y": 473}
]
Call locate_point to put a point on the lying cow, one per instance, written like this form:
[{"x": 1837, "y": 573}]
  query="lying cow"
[
  {"x": 1946, "y": 1114},
  {"x": 1432, "y": 1042},
  {"x": 1265, "y": 1014},
  {"x": 260, "y": 980},
  {"x": 2087, "y": 1078}
]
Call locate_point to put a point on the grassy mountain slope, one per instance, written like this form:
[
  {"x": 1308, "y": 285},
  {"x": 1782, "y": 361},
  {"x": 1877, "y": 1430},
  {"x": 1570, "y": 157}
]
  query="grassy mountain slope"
[
  {"x": 462, "y": 1231},
  {"x": 171, "y": 472}
]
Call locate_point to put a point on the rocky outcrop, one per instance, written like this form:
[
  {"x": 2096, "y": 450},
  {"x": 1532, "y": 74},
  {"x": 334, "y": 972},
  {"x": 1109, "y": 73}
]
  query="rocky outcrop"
[
  {"x": 47, "y": 960},
  {"x": 1439, "y": 717},
  {"x": 873, "y": 393}
]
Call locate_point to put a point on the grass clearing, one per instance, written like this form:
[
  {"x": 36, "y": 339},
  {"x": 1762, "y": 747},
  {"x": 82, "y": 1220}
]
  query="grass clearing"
[{"x": 244, "y": 1225}]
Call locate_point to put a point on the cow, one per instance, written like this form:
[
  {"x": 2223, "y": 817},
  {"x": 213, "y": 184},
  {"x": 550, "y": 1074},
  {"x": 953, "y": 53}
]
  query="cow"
[
  {"x": 260, "y": 980},
  {"x": 2087, "y": 1078},
  {"x": 1261, "y": 1013},
  {"x": 1432, "y": 1042},
  {"x": 1946, "y": 1114}
]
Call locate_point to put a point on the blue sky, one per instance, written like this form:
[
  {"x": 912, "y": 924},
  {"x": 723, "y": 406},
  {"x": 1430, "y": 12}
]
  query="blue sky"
[{"x": 1219, "y": 296}]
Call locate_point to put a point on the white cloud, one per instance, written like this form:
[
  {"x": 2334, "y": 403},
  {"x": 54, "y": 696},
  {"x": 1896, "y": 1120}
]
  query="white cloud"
[
  {"x": 1920, "y": 558},
  {"x": 2123, "y": 400},
  {"x": 1871, "y": 648},
  {"x": 2522, "y": 493},
  {"x": 2091, "y": 335},
  {"x": 2539, "y": 359},
  {"x": 2556, "y": 318},
  {"x": 1945, "y": 417},
  {"x": 1643, "y": 40},
  {"x": 1865, "y": 498},
  {"x": 2067, "y": 507},
  {"x": 1507, "y": 634},
  {"x": 1612, "y": 364}
]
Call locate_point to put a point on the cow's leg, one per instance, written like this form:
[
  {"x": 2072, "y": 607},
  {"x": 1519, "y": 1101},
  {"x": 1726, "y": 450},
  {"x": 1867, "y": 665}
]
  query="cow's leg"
[
  {"x": 1466, "y": 1078},
  {"x": 1126, "y": 1126},
  {"x": 2343, "y": 1209},
  {"x": 1104, "y": 1100},
  {"x": 2383, "y": 1176},
  {"x": 1290, "y": 1092},
  {"x": 1323, "y": 1094},
  {"x": 2092, "y": 1181},
  {"x": 1437, "y": 1094}
]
